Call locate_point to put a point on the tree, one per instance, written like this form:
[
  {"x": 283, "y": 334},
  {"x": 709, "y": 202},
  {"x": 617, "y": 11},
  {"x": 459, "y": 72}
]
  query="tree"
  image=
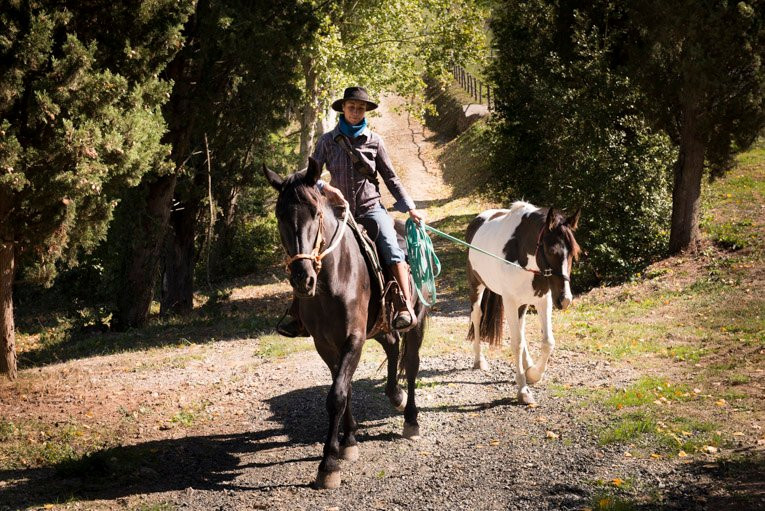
[
  {"x": 699, "y": 66},
  {"x": 234, "y": 82},
  {"x": 79, "y": 123},
  {"x": 385, "y": 46}
]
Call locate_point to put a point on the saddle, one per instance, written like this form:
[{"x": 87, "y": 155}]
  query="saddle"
[{"x": 385, "y": 288}]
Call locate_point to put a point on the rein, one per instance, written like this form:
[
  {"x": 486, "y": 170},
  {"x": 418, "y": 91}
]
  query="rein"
[{"x": 317, "y": 254}]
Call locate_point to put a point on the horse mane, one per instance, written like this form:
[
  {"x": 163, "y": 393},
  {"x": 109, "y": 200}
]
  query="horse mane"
[
  {"x": 295, "y": 190},
  {"x": 575, "y": 249}
]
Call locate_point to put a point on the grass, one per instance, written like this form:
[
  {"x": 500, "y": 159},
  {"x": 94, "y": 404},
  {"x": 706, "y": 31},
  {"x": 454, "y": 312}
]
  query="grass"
[
  {"x": 647, "y": 435},
  {"x": 608, "y": 501},
  {"x": 34, "y": 443},
  {"x": 276, "y": 346},
  {"x": 648, "y": 390},
  {"x": 190, "y": 415}
]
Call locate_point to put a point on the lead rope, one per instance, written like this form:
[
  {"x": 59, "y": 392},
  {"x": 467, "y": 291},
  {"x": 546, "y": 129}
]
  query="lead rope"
[{"x": 425, "y": 265}]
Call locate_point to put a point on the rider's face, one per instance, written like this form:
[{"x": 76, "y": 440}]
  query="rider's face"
[{"x": 354, "y": 110}]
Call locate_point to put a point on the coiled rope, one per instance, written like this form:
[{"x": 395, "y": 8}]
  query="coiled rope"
[{"x": 423, "y": 260}]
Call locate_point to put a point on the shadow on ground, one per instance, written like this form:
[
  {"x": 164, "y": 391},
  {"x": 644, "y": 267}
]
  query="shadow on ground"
[
  {"x": 212, "y": 462},
  {"x": 219, "y": 320}
]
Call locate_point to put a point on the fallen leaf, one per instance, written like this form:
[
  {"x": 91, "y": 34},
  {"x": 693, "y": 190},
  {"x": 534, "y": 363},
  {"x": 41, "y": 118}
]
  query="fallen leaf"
[
  {"x": 686, "y": 433},
  {"x": 617, "y": 482},
  {"x": 552, "y": 436},
  {"x": 682, "y": 454},
  {"x": 709, "y": 449},
  {"x": 738, "y": 433},
  {"x": 697, "y": 391},
  {"x": 494, "y": 443},
  {"x": 721, "y": 402},
  {"x": 655, "y": 456},
  {"x": 627, "y": 454}
]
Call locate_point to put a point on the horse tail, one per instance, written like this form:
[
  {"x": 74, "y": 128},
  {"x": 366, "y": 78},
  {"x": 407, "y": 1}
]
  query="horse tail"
[{"x": 492, "y": 319}]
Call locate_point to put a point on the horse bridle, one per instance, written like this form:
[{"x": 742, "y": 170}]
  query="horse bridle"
[
  {"x": 547, "y": 272},
  {"x": 316, "y": 254}
]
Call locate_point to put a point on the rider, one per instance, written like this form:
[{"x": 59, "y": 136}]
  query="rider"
[{"x": 358, "y": 183}]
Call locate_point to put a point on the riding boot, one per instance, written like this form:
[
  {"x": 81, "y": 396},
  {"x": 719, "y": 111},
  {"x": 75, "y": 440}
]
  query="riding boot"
[
  {"x": 404, "y": 318},
  {"x": 294, "y": 327}
]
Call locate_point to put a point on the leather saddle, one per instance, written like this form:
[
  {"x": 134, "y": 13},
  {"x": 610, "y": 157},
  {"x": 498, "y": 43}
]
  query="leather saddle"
[{"x": 385, "y": 287}]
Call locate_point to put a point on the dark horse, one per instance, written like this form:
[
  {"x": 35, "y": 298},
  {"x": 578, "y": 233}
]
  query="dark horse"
[{"x": 339, "y": 304}]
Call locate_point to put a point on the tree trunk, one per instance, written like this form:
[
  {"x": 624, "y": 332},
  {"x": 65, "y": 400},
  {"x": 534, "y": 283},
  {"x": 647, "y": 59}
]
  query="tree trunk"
[
  {"x": 143, "y": 262},
  {"x": 178, "y": 276},
  {"x": 7, "y": 331},
  {"x": 310, "y": 112},
  {"x": 686, "y": 193},
  {"x": 152, "y": 221}
]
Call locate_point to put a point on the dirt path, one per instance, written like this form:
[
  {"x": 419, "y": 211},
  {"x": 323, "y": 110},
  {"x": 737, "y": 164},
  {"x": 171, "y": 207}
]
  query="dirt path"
[
  {"x": 412, "y": 152},
  {"x": 224, "y": 424}
]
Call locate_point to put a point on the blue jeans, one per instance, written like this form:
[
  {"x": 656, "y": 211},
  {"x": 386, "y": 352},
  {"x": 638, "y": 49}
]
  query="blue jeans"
[{"x": 387, "y": 244}]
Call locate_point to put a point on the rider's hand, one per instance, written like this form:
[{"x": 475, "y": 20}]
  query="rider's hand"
[
  {"x": 333, "y": 195},
  {"x": 417, "y": 215}
]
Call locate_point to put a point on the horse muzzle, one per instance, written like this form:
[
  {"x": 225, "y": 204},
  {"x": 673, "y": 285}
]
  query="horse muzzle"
[{"x": 303, "y": 284}]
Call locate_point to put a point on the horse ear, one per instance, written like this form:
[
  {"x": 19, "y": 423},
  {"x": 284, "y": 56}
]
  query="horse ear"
[
  {"x": 573, "y": 221},
  {"x": 550, "y": 222},
  {"x": 273, "y": 178},
  {"x": 313, "y": 172}
]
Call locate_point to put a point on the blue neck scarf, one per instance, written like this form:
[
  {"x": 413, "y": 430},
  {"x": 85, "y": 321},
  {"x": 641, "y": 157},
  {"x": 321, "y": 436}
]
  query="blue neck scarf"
[{"x": 352, "y": 130}]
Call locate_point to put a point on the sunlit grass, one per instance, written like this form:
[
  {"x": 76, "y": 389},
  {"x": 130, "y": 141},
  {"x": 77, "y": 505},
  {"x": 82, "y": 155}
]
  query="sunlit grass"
[
  {"x": 649, "y": 435},
  {"x": 276, "y": 346}
]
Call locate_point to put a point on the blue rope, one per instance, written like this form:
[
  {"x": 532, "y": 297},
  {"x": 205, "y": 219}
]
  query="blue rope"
[{"x": 423, "y": 261}]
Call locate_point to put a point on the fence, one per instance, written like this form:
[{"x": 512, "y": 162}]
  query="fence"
[{"x": 476, "y": 88}]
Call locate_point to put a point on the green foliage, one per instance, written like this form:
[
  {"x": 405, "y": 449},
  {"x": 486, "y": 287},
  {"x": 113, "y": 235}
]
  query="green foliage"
[
  {"x": 699, "y": 66},
  {"x": 569, "y": 135},
  {"x": 254, "y": 245},
  {"x": 79, "y": 122},
  {"x": 388, "y": 46}
]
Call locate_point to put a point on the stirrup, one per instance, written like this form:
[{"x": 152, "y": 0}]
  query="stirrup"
[{"x": 404, "y": 319}]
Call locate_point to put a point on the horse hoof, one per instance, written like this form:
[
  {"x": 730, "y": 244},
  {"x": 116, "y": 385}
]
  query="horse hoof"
[
  {"x": 349, "y": 453},
  {"x": 481, "y": 364},
  {"x": 402, "y": 405},
  {"x": 328, "y": 480},
  {"x": 411, "y": 431},
  {"x": 525, "y": 397},
  {"x": 533, "y": 375}
]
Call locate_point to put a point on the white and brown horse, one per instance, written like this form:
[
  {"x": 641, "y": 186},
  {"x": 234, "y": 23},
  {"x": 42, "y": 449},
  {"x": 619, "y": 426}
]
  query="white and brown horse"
[{"x": 538, "y": 247}]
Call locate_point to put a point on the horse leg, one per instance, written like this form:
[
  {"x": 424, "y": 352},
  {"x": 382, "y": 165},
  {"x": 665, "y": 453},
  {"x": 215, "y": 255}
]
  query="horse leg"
[
  {"x": 396, "y": 396},
  {"x": 349, "y": 449},
  {"x": 526, "y": 360},
  {"x": 337, "y": 400},
  {"x": 413, "y": 341},
  {"x": 536, "y": 371},
  {"x": 516, "y": 341},
  {"x": 476, "y": 294}
]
